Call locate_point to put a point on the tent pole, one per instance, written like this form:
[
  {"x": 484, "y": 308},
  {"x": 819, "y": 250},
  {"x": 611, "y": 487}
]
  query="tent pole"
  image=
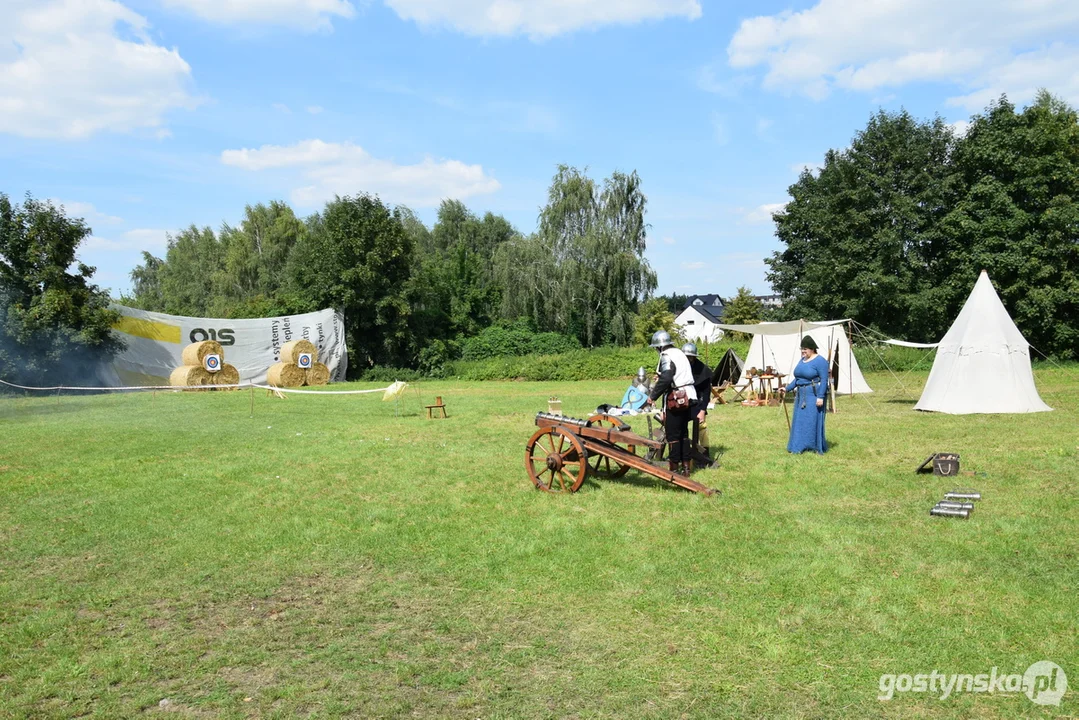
[
  {"x": 850, "y": 361},
  {"x": 831, "y": 391}
]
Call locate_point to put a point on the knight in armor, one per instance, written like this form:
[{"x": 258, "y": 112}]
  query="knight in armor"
[
  {"x": 637, "y": 393},
  {"x": 702, "y": 383},
  {"x": 675, "y": 381}
]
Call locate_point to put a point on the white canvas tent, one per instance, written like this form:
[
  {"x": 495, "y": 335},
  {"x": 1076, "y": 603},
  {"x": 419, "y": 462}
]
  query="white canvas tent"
[
  {"x": 779, "y": 345},
  {"x": 982, "y": 363}
]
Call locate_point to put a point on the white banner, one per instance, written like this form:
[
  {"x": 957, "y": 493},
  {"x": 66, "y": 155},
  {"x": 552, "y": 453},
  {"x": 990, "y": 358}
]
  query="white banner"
[{"x": 155, "y": 343}]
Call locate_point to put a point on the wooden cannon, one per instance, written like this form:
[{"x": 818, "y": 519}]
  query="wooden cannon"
[{"x": 565, "y": 450}]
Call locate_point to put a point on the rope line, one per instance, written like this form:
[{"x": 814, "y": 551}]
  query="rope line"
[{"x": 196, "y": 387}]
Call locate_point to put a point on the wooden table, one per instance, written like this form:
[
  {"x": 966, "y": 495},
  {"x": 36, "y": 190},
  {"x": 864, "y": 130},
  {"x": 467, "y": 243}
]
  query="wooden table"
[{"x": 765, "y": 387}]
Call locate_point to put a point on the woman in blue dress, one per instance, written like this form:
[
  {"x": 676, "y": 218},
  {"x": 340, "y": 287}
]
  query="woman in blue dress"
[{"x": 810, "y": 386}]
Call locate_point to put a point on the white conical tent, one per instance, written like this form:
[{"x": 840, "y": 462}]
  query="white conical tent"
[
  {"x": 983, "y": 362},
  {"x": 779, "y": 345}
]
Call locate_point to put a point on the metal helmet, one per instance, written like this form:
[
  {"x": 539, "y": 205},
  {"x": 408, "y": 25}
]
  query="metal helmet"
[
  {"x": 641, "y": 375},
  {"x": 690, "y": 349},
  {"x": 660, "y": 339}
]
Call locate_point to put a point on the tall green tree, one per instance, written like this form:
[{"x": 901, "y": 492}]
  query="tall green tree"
[
  {"x": 188, "y": 281},
  {"x": 862, "y": 235},
  {"x": 584, "y": 271},
  {"x": 255, "y": 258},
  {"x": 355, "y": 256},
  {"x": 743, "y": 309},
  {"x": 894, "y": 231},
  {"x": 55, "y": 324},
  {"x": 146, "y": 284},
  {"x": 653, "y": 315},
  {"x": 1017, "y": 216}
]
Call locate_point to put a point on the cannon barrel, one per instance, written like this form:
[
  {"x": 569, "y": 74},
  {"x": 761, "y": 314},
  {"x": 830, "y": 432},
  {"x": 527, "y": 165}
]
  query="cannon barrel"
[
  {"x": 949, "y": 512},
  {"x": 962, "y": 495},
  {"x": 563, "y": 419},
  {"x": 955, "y": 505}
]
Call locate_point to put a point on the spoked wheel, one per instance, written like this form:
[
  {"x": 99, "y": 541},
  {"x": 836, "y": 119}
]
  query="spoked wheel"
[
  {"x": 555, "y": 460},
  {"x": 601, "y": 465}
]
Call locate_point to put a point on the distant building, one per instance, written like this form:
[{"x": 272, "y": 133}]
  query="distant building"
[
  {"x": 769, "y": 301},
  {"x": 698, "y": 320}
]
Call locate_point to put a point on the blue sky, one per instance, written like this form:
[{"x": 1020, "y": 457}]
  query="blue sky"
[{"x": 145, "y": 116}]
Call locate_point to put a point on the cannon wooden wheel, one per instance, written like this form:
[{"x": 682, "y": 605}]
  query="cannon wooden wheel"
[
  {"x": 556, "y": 460},
  {"x": 601, "y": 465}
]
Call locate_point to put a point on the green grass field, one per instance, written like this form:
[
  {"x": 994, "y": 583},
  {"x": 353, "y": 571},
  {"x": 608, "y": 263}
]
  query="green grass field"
[{"x": 325, "y": 558}]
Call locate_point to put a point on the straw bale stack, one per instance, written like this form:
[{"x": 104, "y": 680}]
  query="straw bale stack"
[
  {"x": 195, "y": 353},
  {"x": 190, "y": 376},
  {"x": 319, "y": 374},
  {"x": 285, "y": 375},
  {"x": 227, "y": 375},
  {"x": 291, "y": 351}
]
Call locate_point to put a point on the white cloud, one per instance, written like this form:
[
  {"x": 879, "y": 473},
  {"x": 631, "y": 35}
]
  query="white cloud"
[
  {"x": 538, "y": 18},
  {"x": 693, "y": 265},
  {"x": 151, "y": 240},
  {"x": 282, "y": 108},
  {"x": 762, "y": 213},
  {"x": 763, "y": 126},
  {"x": 304, "y": 14},
  {"x": 314, "y": 109},
  {"x": 865, "y": 46},
  {"x": 91, "y": 215},
  {"x": 72, "y": 68},
  {"x": 1053, "y": 68},
  {"x": 668, "y": 241},
  {"x": 330, "y": 169}
]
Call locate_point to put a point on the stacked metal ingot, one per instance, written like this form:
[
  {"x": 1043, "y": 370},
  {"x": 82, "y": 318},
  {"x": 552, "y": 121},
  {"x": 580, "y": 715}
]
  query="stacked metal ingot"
[{"x": 956, "y": 504}]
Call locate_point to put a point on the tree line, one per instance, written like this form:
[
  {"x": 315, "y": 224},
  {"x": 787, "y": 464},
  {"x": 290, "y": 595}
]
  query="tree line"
[
  {"x": 894, "y": 230},
  {"x": 412, "y": 295},
  {"x": 891, "y": 231}
]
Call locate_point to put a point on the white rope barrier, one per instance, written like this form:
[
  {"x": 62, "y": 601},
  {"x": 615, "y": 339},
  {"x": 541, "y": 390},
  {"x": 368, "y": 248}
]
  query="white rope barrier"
[{"x": 57, "y": 388}]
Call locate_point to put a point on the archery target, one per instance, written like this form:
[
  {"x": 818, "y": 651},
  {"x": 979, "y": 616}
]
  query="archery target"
[
  {"x": 212, "y": 363},
  {"x": 304, "y": 361}
]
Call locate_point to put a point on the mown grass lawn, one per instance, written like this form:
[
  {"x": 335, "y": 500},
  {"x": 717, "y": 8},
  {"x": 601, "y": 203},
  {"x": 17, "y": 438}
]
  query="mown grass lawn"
[{"x": 325, "y": 558}]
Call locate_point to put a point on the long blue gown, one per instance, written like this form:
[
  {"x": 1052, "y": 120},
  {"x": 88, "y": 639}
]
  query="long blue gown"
[{"x": 807, "y": 426}]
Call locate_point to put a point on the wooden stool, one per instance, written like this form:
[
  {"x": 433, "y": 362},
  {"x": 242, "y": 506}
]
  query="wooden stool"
[{"x": 439, "y": 405}]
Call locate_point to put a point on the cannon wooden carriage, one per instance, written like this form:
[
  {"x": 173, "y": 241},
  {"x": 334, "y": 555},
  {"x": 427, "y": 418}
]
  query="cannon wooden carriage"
[{"x": 564, "y": 450}]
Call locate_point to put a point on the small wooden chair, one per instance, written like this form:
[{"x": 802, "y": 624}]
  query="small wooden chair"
[
  {"x": 439, "y": 405},
  {"x": 717, "y": 393}
]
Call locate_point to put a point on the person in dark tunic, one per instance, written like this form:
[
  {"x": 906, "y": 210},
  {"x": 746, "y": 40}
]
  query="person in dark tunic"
[
  {"x": 810, "y": 386},
  {"x": 702, "y": 383},
  {"x": 674, "y": 375}
]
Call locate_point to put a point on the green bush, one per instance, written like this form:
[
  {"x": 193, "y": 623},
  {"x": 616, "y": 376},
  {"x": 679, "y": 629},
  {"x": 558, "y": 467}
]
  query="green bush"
[
  {"x": 880, "y": 357},
  {"x": 602, "y": 363},
  {"x": 385, "y": 373},
  {"x": 499, "y": 341}
]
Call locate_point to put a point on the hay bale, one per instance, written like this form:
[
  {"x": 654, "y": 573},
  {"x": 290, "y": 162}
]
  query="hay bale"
[
  {"x": 189, "y": 376},
  {"x": 285, "y": 375},
  {"x": 227, "y": 375},
  {"x": 290, "y": 351},
  {"x": 195, "y": 353},
  {"x": 319, "y": 374}
]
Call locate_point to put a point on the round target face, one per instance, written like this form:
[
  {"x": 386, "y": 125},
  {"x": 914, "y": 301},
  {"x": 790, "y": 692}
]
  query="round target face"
[
  {"x": 304, "y": 361},
  {"x": 212, "y": 363}
]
